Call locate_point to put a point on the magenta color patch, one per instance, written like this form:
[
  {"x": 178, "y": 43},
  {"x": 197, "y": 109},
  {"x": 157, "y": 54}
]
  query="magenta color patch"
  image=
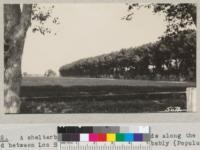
[{"x": 93, "y": 137}]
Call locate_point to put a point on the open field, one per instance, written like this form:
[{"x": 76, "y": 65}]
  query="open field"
[
  {"x": 68, "y": 82},
  {"x": 95, "y": 95}
]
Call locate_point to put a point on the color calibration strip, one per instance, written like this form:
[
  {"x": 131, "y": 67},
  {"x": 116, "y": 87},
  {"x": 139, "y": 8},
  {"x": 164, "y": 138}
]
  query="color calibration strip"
[{"x": 104, "y": 134}]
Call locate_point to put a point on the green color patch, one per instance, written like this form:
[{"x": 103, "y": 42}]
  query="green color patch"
[{"x": 119, "y": 137}]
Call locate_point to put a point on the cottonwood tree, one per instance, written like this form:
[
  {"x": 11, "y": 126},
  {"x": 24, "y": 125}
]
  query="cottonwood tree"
[{"x": 17, "y": 20}]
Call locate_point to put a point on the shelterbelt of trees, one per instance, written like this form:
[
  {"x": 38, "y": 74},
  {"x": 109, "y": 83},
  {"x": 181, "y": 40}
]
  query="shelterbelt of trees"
[{"x": 173, "y": 57}]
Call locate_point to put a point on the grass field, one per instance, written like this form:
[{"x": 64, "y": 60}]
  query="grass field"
[{"x": 95, "y": 95}]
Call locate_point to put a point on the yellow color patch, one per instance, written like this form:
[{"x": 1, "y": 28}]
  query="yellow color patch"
[{"x": 110, "y": 137}]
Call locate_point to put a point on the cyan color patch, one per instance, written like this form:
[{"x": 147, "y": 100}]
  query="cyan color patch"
[{"x": 128, "y": 137}]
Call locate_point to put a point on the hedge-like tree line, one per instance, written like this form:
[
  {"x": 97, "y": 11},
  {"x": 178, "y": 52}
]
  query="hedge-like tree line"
[{"x": 173, "y": 57}]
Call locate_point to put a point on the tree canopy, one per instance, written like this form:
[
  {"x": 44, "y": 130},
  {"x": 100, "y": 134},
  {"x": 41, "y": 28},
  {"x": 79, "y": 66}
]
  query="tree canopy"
[
  {"x": 50, "y": 73},
  {"x": 173, "y": 58},
  {"x": 179, "y": 16}
]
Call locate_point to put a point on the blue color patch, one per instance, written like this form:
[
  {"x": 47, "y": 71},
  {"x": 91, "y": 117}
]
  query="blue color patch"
[{"x": 128, "y": 137}]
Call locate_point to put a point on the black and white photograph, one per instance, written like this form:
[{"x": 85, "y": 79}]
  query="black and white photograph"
[{"x": 95, "y": 57}]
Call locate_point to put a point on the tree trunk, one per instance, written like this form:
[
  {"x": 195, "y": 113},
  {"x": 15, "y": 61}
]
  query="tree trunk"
[{"x": 16, "y": 23}]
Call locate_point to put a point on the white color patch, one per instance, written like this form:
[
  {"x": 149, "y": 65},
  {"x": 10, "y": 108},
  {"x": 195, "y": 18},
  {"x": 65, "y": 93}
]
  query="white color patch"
[{"x": 84, "y": 137}]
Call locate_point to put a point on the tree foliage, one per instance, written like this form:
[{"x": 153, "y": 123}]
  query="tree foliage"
[
  {"x": 42, "y": 14},
  {"x": 173, "y": 58},
  {"x": 50, "y": 73},
  {"x": 178, "y": 16}
]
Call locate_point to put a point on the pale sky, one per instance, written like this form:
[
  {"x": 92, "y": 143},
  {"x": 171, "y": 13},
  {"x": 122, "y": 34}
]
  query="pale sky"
[{"x": 89, "y": 30}]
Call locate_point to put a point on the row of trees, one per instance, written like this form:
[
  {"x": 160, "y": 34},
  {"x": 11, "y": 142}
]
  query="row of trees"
[
  {"x": 171, "y": 58},
  {"x": 48, "y": 73}
]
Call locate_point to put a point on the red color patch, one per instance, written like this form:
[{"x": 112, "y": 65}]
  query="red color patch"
[{"x": 102, "y": 137}]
